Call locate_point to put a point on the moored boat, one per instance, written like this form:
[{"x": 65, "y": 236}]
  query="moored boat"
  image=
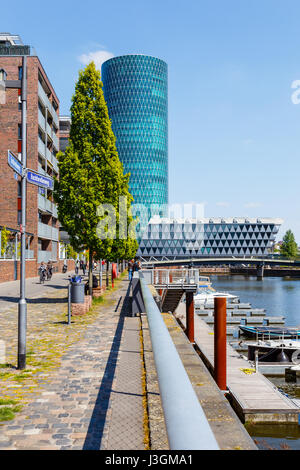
[
  {"x": 206, "y": 296},
  {"x": 269, "y": 332},
  {"x": 283, "y": 350}
]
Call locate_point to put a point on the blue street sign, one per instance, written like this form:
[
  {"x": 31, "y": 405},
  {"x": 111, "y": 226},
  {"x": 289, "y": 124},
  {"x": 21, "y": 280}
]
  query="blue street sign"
[
  {"x": 40, "y": 180},
  {"x": 14, "y": 162}
]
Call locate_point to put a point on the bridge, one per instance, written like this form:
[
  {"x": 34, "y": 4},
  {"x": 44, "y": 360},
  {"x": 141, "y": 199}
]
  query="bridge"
[{"x": 260, "y": 263}]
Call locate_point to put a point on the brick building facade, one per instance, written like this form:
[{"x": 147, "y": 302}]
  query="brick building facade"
[{"x": 42, "y": 226}]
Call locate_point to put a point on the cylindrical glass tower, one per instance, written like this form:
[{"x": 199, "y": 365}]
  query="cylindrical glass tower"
[{"x": 136, "y": 92}]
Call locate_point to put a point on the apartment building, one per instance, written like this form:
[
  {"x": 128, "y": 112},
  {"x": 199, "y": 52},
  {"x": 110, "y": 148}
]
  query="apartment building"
[{"x": 42, "y": 226}]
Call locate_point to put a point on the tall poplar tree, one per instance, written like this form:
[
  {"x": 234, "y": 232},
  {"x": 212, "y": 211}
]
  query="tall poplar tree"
[
  {"x": 289, "y": 247},
  {"x": 91, "y": 174}
]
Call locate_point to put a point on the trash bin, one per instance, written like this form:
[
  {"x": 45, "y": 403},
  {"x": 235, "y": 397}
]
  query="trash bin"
[{"x": 77, "y": 292}]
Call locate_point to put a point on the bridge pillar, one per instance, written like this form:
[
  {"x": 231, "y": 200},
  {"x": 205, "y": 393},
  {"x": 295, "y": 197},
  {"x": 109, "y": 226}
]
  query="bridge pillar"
[
  {"x": 189, "y": 301},
  {"x": 260, "y": 272}
]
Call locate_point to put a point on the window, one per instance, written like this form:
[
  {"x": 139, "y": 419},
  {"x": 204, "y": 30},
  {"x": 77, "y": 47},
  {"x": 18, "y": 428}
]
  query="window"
[{"x": 20, "y": 73}]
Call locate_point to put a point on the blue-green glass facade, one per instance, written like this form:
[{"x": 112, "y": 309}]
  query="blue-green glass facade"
[{"x": 136, "y": 92}]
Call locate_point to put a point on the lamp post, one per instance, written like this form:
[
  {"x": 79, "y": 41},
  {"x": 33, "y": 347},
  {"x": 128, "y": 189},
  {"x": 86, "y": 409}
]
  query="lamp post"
[
  {"x": 22, "y": 311},
  {"x": 20, "y": 168}
]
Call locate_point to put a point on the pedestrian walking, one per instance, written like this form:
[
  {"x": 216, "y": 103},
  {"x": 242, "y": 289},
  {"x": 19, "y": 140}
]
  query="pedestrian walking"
[
  {"x": 83, "y": 268},
  {"x": 130, "y": 269},
  {"x": 136, "y": 266},
  {"x": 76, "y": 267}
]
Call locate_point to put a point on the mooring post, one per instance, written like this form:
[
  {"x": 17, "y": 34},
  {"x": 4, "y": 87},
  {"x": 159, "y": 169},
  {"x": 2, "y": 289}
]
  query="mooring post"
[
  {"x": 189, "y": 301},
  {"x": 220, "y": 342}
]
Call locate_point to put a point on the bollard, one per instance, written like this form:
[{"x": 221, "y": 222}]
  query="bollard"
[
  {"x": 69, "y": 303},
  {"x": 113, "y": 274},
  {"x": 189, "y": 298},
  {"x": 220, "y": 342}
]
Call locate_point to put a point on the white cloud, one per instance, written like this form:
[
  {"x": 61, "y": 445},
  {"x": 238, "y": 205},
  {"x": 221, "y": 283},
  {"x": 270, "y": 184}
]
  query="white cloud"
[
  {"x": 222, "y": 204},
  {"x": 97, "y": 56},
  {"x": 253, "y": 204}
]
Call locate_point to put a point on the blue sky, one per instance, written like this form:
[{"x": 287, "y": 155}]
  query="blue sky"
[{"x": 234, "y": 132}]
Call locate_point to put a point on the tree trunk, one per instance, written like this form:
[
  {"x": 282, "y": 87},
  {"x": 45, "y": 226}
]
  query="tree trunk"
[{"x": 90, "y": 272}]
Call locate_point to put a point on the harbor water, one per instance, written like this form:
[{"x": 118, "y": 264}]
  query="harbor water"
[{"x": 279, "y": 297}]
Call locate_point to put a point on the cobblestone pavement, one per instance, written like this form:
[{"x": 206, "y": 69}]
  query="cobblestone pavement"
[{"x": 83, "y": 382}]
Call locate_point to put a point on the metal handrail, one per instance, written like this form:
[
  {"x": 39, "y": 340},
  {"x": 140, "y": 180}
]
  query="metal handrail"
[{"x": 186, "y": 424}]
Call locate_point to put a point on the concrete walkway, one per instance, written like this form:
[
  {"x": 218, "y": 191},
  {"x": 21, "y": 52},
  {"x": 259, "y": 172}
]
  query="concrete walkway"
[{"x": 93, "y": 400}]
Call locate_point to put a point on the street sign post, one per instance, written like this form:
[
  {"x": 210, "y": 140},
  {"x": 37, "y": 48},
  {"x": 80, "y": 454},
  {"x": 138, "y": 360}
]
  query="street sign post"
[
  {"x": 14, "y": 162},
  {"x": 19, "y": 168},
  {"x": 40, "y": 180},
  {"x": 22, "y": 311}
]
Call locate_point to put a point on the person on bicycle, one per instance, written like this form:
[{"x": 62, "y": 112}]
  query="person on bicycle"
[
  {"x": 42, "y": 271},
  {"x": 49, "y": 269}
]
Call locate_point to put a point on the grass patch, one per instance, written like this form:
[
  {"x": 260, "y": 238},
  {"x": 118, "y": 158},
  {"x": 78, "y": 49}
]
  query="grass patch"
[
  {"x": 98, "y": 300},
  {"x": 6, "y": 366},
  {"x": 24, "y": 375},
  {"x": 30, "y": 353},
  {"x": 8, "y": 413},
  {"x": 8, "y": 401},
  {"x": 5, "y": 375}
]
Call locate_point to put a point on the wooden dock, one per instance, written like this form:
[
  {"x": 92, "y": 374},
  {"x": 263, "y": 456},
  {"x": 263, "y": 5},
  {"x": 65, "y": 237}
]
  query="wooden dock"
[{"x": 253, "y": 396}]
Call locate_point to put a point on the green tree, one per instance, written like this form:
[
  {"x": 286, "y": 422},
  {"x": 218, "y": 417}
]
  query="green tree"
[
  {"x": 289, "y": 247},
  {"x": 90, "y": 173},
  {"x": 70, "y": 252},
  {"x": 4, "y": 240}
]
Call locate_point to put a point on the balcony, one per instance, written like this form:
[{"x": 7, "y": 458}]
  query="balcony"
[
  {"x": 41, "y": 147},
  {"x": 55, "y": 141},
  {"x": 41, "y": 119},
  {"x": 55, "y": 163},
  {"x": 54, "y": 210},
  {"x": 47, "y": 206},
  {"x": 48, "y": 232},
  {"x": 45, "y": 255},
  {"x": 41, "y": 170},
  {"x": 48, "y": 104},
  {"x": 44, "y": 204},
  {"x": 29, "y": 254},
  {"x": 49, "y": 130},
  {"x": 49, "y": 155}
]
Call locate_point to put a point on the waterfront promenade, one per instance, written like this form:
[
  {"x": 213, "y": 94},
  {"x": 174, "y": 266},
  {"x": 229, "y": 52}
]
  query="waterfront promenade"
[{"x": 82, "y": 387}]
